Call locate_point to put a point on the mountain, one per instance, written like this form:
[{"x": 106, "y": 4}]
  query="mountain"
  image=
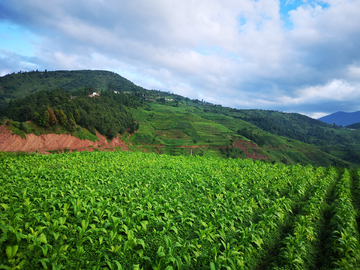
[
  {"x": 342, "y": 118},
  {"x": 16, "y": 85},
  {"x": 162, "y": 122}
]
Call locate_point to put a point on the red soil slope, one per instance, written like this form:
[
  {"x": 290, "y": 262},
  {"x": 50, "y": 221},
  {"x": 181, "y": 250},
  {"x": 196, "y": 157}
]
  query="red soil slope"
[
  {"x": 245, "y": 146},
  {"x": 49, "y": 142}
]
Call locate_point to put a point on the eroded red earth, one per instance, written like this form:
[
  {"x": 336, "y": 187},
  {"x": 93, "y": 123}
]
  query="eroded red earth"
[{"x": 51, "y": 142}]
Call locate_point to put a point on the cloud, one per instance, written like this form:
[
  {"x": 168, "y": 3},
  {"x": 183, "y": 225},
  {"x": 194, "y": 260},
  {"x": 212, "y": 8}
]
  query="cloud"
[
  {"x": 12, "y": 62},
  {"x": 335, "y": 90},
  {"x": 354, "y": 72},
  {"x": 317, "y": 115},
  {"x": 298, "y": 56}
]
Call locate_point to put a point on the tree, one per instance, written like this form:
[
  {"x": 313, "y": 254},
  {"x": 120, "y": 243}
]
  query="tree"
[
  {"x": 44, "y": 119},
  {"x": 62, "y": 118},
  {"x": 56, "y": 112},
  {"x": 77, "y": 116},
  {"x": 56, "y": 101},
  {"x": 52, "y": 117},
  {"x": 71, "y": 125},
  {"x": 26, "y": 112},
  {"x": 36, "y": 116}
]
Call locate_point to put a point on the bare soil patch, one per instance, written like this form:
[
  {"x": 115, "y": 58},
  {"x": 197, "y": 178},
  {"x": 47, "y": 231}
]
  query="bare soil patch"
[{"x": 51, "y": 142}]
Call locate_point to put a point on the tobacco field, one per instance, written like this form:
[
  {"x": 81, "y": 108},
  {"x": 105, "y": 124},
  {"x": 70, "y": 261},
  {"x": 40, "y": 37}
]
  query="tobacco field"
[{"x": 123, "y": 210}]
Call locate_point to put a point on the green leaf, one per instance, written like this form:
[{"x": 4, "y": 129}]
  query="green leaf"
[
  {"x": 109, "y": 264},
  {"x": 118, "y": 265},
  {"x": 140, "y": 252},
  {"x": 4, "y": 234},
  {"x": 140, "y": 242},
  {"x": 43, "y": 262},
  {"x": 144, "y": 224},
  {"x": 42, "y": 238},
  {"x": 11, "y": 251},
  {"x": 101, "y": 239},
  {"x": 62, "y": 220},
  {"x": 56, "y": 235},
  {"x": 160, "y": 253},
  {"x": 84, "y": 224},
  {"x": 5, "y": 206},
  {"x": 174, "y": 229}
]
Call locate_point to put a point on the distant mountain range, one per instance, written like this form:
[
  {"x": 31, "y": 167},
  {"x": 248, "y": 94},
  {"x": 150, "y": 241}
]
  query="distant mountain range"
[{"x": 342, "y": 118}]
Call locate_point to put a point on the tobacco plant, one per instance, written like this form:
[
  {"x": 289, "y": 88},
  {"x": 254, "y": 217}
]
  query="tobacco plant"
[{"x": 122, "y": 210}]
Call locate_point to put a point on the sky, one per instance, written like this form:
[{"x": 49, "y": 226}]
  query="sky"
[{"x": 290, "y": 56}]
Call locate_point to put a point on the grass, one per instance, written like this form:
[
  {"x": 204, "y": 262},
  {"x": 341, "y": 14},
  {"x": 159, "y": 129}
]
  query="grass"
[
  {"x": 84, "y": 134},
  {"x": 31, "y": 127}
]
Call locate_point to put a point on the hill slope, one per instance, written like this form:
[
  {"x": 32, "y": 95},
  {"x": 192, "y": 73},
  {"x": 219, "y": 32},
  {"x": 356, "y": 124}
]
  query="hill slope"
[
  {"x": 186, "y": 130},
  {"x": 17, "y": 85},
  {"x": 177, "y": 125}
]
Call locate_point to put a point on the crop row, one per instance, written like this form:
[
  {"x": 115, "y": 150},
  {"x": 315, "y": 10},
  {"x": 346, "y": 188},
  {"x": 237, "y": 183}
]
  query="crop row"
[
  {"x": 144, "y": 211},
  {"x": 345, "y": 234},
  {"x": 300, "y": 248}
]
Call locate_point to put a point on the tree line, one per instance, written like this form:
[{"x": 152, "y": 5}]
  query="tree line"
[{"x": 106, "y": 113}]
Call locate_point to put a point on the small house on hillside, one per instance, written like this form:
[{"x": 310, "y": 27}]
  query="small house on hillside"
[{"x": 94, "y": 94}]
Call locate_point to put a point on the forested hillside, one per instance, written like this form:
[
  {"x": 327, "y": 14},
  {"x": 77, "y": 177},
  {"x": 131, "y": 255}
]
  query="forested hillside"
[
  {"x": 169, "y": 123},
  {"x": 17, "y": 85},
  {"x": 105, "y": 112}
]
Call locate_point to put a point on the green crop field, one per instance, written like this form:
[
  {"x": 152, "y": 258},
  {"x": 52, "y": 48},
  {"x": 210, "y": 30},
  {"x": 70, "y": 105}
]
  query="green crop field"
[{"x": 132, "y": 210}]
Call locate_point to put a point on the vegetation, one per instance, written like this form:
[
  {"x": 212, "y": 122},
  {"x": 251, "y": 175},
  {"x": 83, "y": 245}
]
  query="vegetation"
[
  {"x": 168, "y": 123},
  {"x": 184, "y": 129},
  {"x": 93, "y": 210},
  {"x": 16, "y": 85},
  {"x": 106, "y": 113},
  {"x": 354, "y": 126},
  {"x": 212, "y": 210}
]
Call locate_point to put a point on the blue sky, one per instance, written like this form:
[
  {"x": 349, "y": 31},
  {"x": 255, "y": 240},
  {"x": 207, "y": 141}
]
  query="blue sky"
[{"x": 292, "y": 56}]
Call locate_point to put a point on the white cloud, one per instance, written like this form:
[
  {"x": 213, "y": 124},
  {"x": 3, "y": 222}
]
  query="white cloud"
[
  {"x": 317, "y": 115},
  {"x": 336, "y": 90},
  {"x": 237, "y": 52},
  {"x": 354, "y": 72}
]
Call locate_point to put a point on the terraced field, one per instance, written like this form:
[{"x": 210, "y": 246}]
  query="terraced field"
[{"x": 122, "y": 210}]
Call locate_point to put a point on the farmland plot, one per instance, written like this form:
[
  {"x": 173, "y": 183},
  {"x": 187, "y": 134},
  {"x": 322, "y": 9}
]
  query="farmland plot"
[{"x": 126, "y": 210}]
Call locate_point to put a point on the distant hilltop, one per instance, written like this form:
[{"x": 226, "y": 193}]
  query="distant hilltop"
[{"x": 342, "y": 118}]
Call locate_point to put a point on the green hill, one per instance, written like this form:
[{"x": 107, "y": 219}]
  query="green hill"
[
  {"x": 17, "y": 85},
  {"x": 176, "y": 125},
  {"x": 184, "y": 130}
]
